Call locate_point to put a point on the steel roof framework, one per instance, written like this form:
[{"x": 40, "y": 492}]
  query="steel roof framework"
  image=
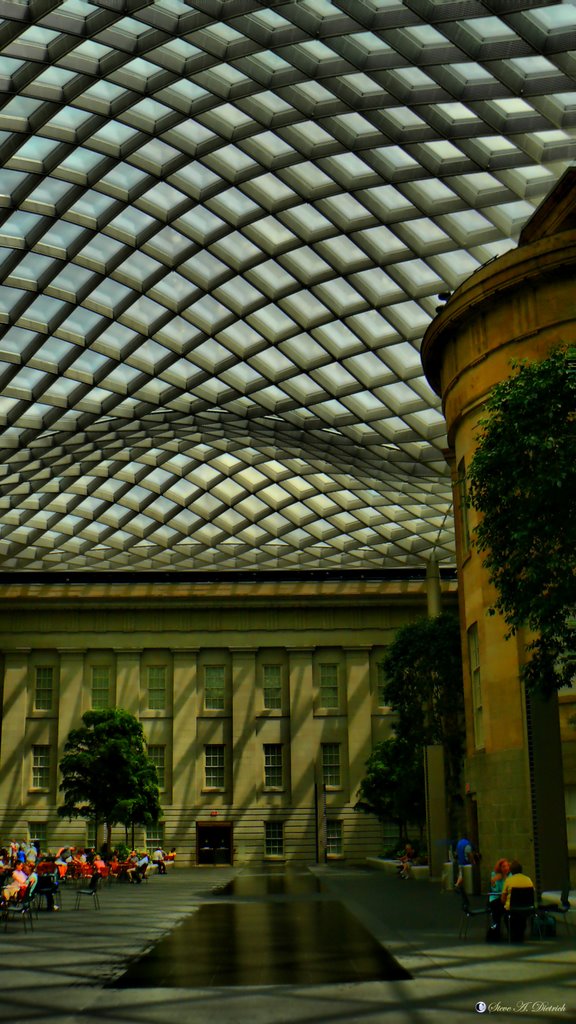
[{"x": 224, "y": 228}]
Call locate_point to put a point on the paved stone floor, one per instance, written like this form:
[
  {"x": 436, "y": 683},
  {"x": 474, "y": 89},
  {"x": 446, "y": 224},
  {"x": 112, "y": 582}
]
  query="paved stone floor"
[{"x": 66, "y": 970}]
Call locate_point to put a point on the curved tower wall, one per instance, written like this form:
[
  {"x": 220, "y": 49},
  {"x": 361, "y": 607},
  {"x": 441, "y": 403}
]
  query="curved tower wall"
[{"x": 519, "y": 306}]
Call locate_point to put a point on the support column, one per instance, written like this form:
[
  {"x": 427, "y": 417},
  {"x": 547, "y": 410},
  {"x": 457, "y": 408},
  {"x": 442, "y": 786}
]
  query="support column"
[
  {"x": 434, "y": 774},
  {"x": 305, "y": 752},
  {"x": 128, "y": 681},
  {"x": 359, "y": 708},
  {"x": 186, "y": 758},
  {"x": 73, "y": 700},
  {"x": 14, "y": 711},
  {"x": 433, "y": 589},
  {"x": 247, "y": 760}
]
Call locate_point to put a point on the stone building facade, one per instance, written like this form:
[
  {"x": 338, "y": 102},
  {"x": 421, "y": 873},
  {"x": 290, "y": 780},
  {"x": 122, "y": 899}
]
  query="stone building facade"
[{"x": 259, "y": 702}]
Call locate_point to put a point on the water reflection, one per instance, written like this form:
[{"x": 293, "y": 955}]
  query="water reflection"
[
  {"x": 297, "y": 942},
  {"x": 272, "y": 884}
]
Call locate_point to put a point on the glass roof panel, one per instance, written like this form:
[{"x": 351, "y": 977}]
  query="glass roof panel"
[{"x": 222, "y": 241}]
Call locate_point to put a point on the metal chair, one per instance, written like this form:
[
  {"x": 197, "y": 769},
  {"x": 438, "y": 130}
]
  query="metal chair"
[
  {"x": 521, "y": 910},
  {"x": 20, "y": 908},
  {"x": 468, "y": 912},
  {"x": 91, "y": 892},
  {"x": 562, "y": 909}
]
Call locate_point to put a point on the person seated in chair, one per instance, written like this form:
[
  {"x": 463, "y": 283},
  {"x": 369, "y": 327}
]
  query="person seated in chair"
[
  {"x": 407, "y": 859},
  {"x": 495, "y": 904},
  {"x": 158, "y": 858},
  {"x": 515, "y": 880},
  {"x": 48, "y": 883},
  {"x": 17, "y": 881},
  {"x": 138, "y": 871}
]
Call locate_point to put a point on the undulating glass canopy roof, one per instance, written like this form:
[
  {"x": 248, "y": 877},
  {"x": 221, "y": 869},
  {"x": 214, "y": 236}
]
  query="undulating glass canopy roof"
[{"x": 224, "y": 228}]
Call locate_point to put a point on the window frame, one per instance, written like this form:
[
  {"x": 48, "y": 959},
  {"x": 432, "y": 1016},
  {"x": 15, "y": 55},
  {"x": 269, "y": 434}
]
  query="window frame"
[
  {"x": 331, "y": 770},
  {"x": 273, "y": 766},
  {"x": 96, "y": 687},
  {"x": 334, "y": 837},
  {"x": 272, "y": 688},
  {"x": 215, "y": 750},
  {"x": 328, "y": 689},
  {"x": 160, "y": 768},
  {"x": 156, "y": 695},
  {"x": 476, "y": 685},
  {"x": 38, "y": 670},
  {"x": 274, "y": 837},
  {"x": 41, "y": 773},
  {"x": 214, "y": 693}
]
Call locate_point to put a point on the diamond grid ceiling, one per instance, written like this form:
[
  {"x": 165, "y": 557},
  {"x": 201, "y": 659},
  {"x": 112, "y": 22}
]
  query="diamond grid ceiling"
[{"x": 224, "y": 227}]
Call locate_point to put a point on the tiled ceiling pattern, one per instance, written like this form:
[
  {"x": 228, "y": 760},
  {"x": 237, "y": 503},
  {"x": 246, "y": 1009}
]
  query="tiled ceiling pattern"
[{"x": 224, "y": 229}]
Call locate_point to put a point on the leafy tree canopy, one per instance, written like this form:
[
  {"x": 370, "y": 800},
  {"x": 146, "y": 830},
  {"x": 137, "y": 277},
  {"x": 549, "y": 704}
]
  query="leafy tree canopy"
[
  {"x": 392, "y": 788},
  {"x": 423, "y": 680},
  {"x": 106, "y": 772},
  {"x": 423, "y": 686},
  {"x": 522, "y": 480}
]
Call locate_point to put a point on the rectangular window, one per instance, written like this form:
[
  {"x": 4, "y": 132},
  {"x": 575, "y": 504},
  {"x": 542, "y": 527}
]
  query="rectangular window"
[
  {"x": 328, "y": 696},
  {"x": 157, "y": 754},
  {"x": 331, "y": 764},
  {"x": 100, "y": 687},
  {"x": 156, "y": 687},
  {"x": 474, "y": 659},
  {"x": 381, "y": 684},
  {"x": 41, "y": 766},
  {"x": 43, "y": 689},
  {"x": 273, "y": 776},
  {"x": 38, "y": 834},
  {"x": 272, "y": 687},
  {"x": 155, "y": 836},
  {"x": 214, "y": 766},
  {"x": 274, "y": 833},
  {"x": 463, "y": 508},
  {"x": 334, "y": 845},
  {"x": 214, "y": 681}
]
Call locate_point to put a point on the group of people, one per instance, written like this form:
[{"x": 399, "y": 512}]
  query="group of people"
[
  {"x": 506, "y": 876},
  {"x": 25, "y": 870}
]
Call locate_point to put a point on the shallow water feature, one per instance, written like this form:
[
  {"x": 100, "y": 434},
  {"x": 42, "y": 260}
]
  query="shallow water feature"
[{"x": 265, "y": 930}]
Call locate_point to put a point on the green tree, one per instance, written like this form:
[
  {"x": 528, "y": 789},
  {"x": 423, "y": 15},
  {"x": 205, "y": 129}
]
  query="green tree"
[
  {"x": 106, "y": 772},
  {"x": 522, "y": 479},
  {"x": 143, "y": 807},
  {"x": 423, "y": 686},
  {"x": 392, "y": 788}
]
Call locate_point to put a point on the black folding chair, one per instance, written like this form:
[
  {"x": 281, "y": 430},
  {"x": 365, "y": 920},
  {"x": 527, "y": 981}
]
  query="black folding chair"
[
  {"x": 521, "y": 910},
  {"x": 20, "y": 908},
  {"x": 468, "y": 912},
  {"x": 91, "y": 891}
]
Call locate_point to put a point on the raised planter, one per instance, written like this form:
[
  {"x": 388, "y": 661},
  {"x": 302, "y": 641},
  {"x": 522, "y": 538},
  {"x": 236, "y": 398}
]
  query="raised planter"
[{"x": 417, "y": 871}]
